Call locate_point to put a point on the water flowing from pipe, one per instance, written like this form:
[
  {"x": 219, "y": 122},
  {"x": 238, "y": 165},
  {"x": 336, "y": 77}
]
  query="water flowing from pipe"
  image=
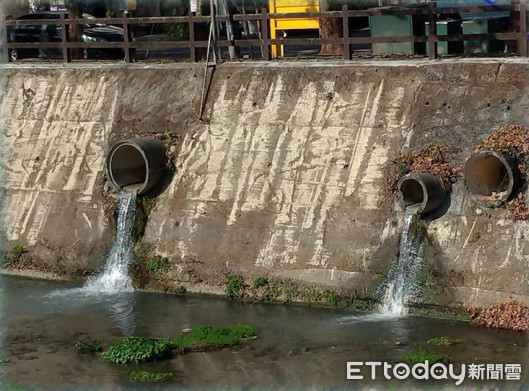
[
  {"x": 115, "y": 276},
  {"x": 402, "y": 278}
]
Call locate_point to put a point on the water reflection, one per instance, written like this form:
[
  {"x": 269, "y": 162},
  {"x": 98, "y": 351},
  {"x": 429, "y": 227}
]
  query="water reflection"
[{"x": 118, "y": 308}]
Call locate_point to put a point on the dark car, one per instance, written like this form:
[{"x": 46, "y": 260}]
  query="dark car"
[{"x": 53, "y": 33}]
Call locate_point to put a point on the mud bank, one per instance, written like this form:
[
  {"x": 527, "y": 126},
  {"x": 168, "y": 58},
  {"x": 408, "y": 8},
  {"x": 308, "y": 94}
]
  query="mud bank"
[{"x": 285, "y": 178}]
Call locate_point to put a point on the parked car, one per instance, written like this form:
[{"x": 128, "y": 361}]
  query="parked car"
[{"x": 53, "y": 33}]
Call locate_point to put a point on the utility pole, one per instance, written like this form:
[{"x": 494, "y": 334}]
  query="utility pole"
[{"x": 214, "y": 32}]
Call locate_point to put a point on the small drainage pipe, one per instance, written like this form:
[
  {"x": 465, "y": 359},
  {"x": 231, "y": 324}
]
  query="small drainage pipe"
[
  {"x": 421, "y": 192},
  {"x": 491, "y": 178},
  {"x": 136, "y": 164}
]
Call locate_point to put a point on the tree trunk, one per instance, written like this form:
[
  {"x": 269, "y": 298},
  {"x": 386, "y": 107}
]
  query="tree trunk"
[
  {"x": 76, "y": 11},
  {"x": 330, "y": 28}
]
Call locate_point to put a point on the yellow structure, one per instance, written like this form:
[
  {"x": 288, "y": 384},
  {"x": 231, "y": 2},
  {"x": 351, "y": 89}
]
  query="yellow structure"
[
  {"x": 291, "y": 6},
  {"x": 131, "y": 5}
]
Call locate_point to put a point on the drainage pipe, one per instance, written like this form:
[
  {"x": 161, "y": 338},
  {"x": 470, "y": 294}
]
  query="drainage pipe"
[
  {"x": 491, "y": 177},
  {"x": 421, "y": 192},
  {"x": 137, "y": 164}
]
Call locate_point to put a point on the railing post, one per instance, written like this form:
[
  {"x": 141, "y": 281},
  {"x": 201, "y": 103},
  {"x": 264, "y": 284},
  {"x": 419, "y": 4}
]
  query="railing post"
[
  {"x": 432, "y": 31},
  {"x": 522, "y": 40},
  {"x": 264, "y": 35},
  {"x": 127, "y": 37},
  {"x": 65, "y": 38},
  {"x": 5, "y": 38},
  {"x": 346, "y": 45},
  {"x": 191, "y": 24}
]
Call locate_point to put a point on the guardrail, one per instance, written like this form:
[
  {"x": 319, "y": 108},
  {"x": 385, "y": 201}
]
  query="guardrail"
[{"x": 431, "y": 11}]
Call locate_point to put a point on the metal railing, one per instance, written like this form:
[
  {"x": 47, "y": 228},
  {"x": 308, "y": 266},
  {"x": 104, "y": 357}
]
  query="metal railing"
[{"x": 431, "y": 11}]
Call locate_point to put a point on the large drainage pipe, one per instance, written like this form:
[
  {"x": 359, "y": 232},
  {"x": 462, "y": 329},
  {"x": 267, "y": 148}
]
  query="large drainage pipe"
[
  {"x": 421, "y": 192},
  {"x": 136, "y": 164},
  {"x": 491, "y": 178}
]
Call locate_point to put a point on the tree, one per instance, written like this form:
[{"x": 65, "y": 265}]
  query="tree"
[
  {"x": 331, "y": 27},
  {"x": 75, "y": 8}
]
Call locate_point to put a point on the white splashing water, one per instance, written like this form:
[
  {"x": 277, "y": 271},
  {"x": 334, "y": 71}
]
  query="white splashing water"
[
  {"x": 402, "y": 278},
  {"x": 115, "y": 276}
]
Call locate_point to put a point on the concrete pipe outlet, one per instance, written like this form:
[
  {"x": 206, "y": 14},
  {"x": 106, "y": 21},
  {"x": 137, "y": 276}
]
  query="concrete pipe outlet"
[
  {"x": 137, "y": 164},
  {"x": 421, "y": 192},
  {"x": 490, "y": 177}
]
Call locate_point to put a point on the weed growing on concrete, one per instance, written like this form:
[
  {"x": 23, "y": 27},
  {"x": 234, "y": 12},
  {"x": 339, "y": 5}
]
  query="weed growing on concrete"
[
  {"x": 331, "y": 297},
  {"x": 510, "y": 315},
  {"x": 420, "y": 355},
  {"x": 518, "y": 207},
  {"x": 143, "y": 376},
  {"x": 235, "y": 287},
  {"x": 259, "y": 282},
  {"x": 312, "y": 295},
  {"x": 16, "y": 255},
  {"x": 87, "y": 345},
  {"x": 512, "y": 140},
  {"x": 179, "y": 290},
  {"x": 157, "y": 266},
  {"x": 272, "y": 292},
  {"x": 433, "y": 158},
  {"x": 290, "y": 295},
  {"x": 444, "y": 341},
  {"x": 144, "y": 206}
]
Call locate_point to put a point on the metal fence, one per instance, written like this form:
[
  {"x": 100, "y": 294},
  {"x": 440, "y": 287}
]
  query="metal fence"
[{"x": 430, "y": 11}]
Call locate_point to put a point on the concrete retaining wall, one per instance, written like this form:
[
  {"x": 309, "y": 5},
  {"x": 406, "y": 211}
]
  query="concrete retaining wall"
[{"x": 285, "y": 176}]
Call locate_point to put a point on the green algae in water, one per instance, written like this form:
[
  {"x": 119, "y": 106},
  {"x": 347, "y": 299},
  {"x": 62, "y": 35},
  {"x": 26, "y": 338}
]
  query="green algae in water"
[
  {"x": 216, "y": 336},
  {"x": 444, "y": 341},
  {"x": 200, "y": 338},
  {"x": 144, "y": 376},
  {"x": 420, "y": 355},
  {"x": 137, "y": 349}
]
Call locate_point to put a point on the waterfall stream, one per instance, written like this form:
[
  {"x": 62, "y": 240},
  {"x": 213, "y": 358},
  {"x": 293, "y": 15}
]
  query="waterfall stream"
[
  {"x": 402, "y": 278},
  {"x": 115, "y": 275}
]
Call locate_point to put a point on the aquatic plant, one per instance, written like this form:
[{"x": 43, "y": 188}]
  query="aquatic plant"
[
  {"x": 234, "y": 286},
  {"x": 510, "y": 315},
  {"x": 19, "y": 387},
  {"x": 420, "y": 355},
  {"x": 198, "y": 339},
  {"x": 144, "y": 376},
  {"x": 87, "y": 345},
  {"x": 137, "y": 349},
  {"x": 444, "y": 341},
  {"x": 213, "y": 337}
]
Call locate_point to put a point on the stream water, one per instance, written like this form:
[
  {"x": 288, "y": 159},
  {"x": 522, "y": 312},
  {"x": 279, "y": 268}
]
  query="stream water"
[{"x": 298, "y": 347}]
